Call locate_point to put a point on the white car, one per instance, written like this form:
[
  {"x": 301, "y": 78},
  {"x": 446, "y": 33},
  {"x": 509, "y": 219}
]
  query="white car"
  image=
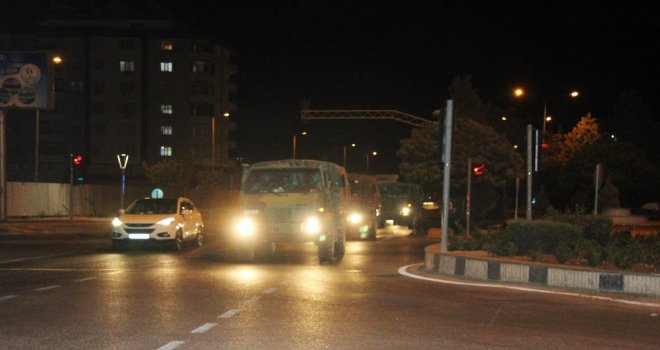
[{"x": 166, "y": 220}]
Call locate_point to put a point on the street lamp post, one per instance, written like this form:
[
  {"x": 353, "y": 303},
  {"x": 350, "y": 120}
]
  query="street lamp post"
[
  {"x": 293, "y": 155},
  {"x": 374, "y": 153},
  {"x": 122, "y": 159},
  {"x": 345, "y": 148}
]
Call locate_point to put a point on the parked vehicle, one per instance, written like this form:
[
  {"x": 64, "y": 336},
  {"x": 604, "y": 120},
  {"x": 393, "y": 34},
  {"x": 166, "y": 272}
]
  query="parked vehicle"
[
  {"x": 292, "y": 200},
  {"x": 173, "y": 221},
  {"x": 364, "y": 207}
]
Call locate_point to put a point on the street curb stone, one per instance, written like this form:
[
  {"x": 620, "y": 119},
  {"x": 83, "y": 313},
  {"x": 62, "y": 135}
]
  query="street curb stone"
[{"x": 483, "y": 268}]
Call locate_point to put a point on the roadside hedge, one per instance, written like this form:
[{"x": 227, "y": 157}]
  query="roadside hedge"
[{"x": 587, "y": 238}]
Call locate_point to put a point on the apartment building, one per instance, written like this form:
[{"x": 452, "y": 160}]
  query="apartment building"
[{"x": 147, "y": 88}]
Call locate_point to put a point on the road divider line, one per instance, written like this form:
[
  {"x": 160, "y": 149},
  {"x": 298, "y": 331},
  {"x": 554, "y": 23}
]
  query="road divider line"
[
  {"x": 171, "y": 345},
  {"x": 85, "y": 279},
  {"x": 229, "y": 314},
  {"x": 253, "y": 300},
  {"x": 204, "y": 328},
  {"x": 7, "y": 297},
  {"x": 403, "y": 270},
  {"x": 48, "y": 288},
  {"x": 270, "y": 290}
]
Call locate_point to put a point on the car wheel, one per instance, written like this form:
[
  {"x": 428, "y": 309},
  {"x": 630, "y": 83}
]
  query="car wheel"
[{"x": 178, "y": 241}]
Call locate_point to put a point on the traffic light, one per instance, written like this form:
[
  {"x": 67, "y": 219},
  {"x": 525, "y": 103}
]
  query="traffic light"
[
  {"x": 77, "y": 159},
  {"x": 478, "y": 170}
]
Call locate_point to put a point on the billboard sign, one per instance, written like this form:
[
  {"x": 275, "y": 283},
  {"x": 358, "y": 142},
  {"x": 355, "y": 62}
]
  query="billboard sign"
[{"x": 25, "y": 81}]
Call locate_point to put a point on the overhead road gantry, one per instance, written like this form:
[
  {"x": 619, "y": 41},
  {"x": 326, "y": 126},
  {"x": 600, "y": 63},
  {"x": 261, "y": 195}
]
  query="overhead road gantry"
[{"x": 339, "y": 114}]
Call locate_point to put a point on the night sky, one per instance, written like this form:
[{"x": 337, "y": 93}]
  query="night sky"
[{"x": 403, "y": 55}]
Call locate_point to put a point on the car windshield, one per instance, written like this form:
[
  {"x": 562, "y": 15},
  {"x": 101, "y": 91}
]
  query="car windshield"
[
  {"x": 152, "y": 206},
  {"x": 283, "y": 181}
]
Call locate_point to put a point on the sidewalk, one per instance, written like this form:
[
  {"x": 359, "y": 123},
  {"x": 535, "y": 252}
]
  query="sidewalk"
[{"x": 49, "y": 227}]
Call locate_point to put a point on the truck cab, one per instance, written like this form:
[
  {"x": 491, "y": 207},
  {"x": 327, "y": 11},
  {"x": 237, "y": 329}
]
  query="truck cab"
[{"x": 292, "y": 200}]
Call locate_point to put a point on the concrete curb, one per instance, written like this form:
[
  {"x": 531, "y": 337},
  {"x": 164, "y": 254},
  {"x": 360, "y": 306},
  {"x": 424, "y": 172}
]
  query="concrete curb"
[{"x": 479, "y": 268}]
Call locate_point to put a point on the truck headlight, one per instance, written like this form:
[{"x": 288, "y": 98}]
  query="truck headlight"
[
  {"x": 312, "y": 226},
  {"x": 245, "y": 227},
  {"x": 355, "y": 218}
]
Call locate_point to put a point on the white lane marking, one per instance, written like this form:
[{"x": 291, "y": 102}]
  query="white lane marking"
[
  {"x": 270, "y": 290},
  {"x": 48, "y": 288},
  {"x": 229, "y": 313},
  {"x": 204, "y": 328},
  {"x": 403, "y": 271},
  {"x": 7, "y": 297},
  {"x": 171, "y": 345},
  {"x": 497, "y": 313},
  {"x": 30, "y": 258},
  {"x": 253, "y": 300},
  {"x": 114, "y": 272},
  {"x": 85, "y": 279}
]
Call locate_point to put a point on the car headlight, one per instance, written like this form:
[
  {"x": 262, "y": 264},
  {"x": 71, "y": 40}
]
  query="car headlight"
[
  {"x": 245, "y": 227},
  {"x": 405, "y": 211},
  {"x": 312, "y": 226},
  {"x": 116, "y": 222},
  {"x": 165, "y": 222},
  {"x": 355, "y": 218}
]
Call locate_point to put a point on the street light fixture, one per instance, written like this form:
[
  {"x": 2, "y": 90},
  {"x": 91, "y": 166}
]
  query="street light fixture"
[
  {"x": 520, "y": 92},
  {"x": 122, "y": 159}
]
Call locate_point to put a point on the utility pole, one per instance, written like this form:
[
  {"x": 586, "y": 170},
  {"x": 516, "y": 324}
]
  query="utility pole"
[{"x": 446, "y": 175}]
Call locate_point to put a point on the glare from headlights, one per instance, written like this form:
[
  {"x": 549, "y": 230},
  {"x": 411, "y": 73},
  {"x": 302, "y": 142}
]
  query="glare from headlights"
[
  {"x": 165, "y": 222},
  {"x": 405, "y": 211},
  {"x": 245, "y": 227},
  {"x": 312, "y": 226},
  {"x": 355, "y": 218},
  {"x": 116, "y": 222}
]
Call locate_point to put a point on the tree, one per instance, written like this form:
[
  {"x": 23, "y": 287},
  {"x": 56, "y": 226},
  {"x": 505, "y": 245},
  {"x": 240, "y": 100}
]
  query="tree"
[
  {"x": 470, "y": 140},
  {"x": 583, "y": 134}
]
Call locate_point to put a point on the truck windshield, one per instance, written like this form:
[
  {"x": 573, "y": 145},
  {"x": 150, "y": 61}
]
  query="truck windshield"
[{"x": 283, "y": 181}]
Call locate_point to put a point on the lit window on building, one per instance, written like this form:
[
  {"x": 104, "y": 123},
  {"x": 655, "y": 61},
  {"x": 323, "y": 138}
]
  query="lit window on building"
[
  {"x": 166, "y": 130},
  {"x": 166, "y": 109},
  {"x": 166, "y": 66},
  {"x": 166, "y": 45},
  {"x": 166, "y": 151},
  {"x": 126, "y": 66}
]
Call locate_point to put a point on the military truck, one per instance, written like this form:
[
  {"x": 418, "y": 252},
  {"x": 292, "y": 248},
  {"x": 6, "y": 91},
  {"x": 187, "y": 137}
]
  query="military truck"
[
  {"x": 401, "y": 203},
  {"x": 364, "y": 207},
  {"x": 292, "y": 200}
]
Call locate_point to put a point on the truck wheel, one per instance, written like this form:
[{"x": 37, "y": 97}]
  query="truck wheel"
[
  {"x": 326, "y": 250},
  {"x": 200, "y": 239},
  {"x": 340, "y": 247}
]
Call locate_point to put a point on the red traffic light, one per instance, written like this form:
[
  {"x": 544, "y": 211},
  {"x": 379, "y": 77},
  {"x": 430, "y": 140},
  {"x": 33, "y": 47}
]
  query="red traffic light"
[
  {"x": 77, "y": 160},
  {"x": 478, "y": 170}
]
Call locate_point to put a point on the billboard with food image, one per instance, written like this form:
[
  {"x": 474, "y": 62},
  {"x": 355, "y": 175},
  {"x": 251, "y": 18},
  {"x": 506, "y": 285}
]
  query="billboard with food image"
[{"x": 25, "y": 81}]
